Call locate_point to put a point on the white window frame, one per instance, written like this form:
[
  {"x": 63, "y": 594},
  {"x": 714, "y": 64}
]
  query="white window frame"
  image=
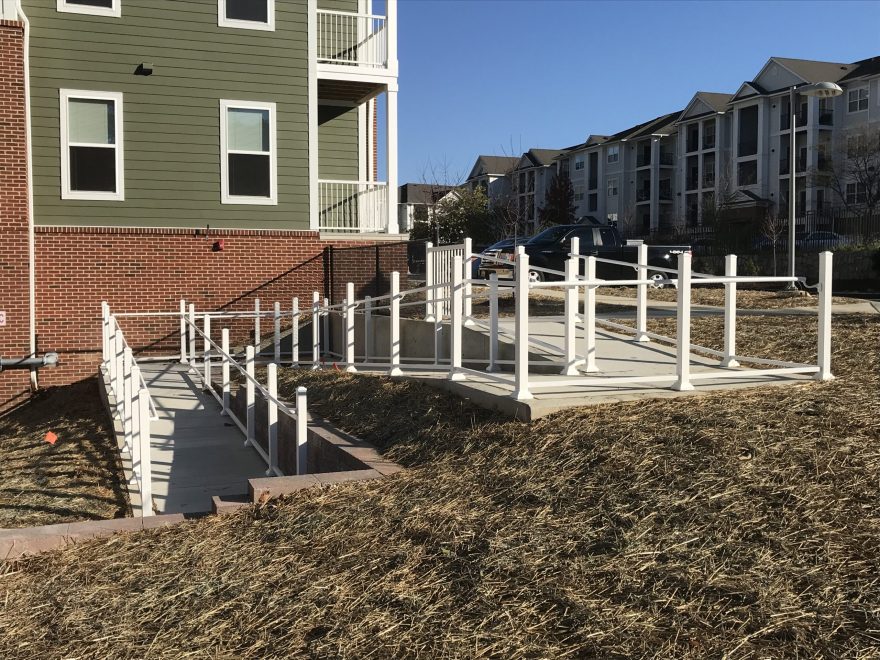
[
  {"x": 613, "y": 151},
  {"x": 65, "y": 95},
  {"x": 239, "y": 24},
  {"x": 225, "y": 197},
  {"x": 612, "y": 184},
  {"x": 579, "y": 163},
  {"x": 856, "y": 91},
  {"x": 114, "y": 12}
]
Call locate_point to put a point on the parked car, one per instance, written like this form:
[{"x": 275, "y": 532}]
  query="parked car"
[
  {"x": 503, "y": 249},
  {"x": 824, "y": 239},
  {"x": 550, "y": 249}
]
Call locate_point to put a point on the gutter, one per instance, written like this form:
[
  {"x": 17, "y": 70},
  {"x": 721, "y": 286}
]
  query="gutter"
[{"x": 32, "y": 277}]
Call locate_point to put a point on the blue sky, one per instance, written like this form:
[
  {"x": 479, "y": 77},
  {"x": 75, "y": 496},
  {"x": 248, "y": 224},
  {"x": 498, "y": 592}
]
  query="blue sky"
[{"x": 501, "y": 76}]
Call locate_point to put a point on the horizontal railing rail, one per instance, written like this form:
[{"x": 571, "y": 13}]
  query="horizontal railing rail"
[
  {"x": 352, "y": 39},
  {"x": 352, "y": 206}
]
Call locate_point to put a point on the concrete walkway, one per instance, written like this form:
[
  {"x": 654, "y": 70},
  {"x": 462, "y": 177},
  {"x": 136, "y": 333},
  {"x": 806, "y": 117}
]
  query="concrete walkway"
[{"x": 196, "y": 453}]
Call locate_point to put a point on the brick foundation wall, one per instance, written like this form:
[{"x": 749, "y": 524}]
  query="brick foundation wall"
[
  {"x": 14, "y": 336},
  {"x": 150, "y": 270}
]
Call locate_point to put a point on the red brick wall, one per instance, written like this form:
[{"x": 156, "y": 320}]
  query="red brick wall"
[
  {"x": 150, "y": 270},
  {"x": 14, "y": 337}
]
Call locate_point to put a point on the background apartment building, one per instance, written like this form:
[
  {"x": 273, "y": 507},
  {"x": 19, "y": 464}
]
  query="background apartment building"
[{"x": 724, "y": 158}]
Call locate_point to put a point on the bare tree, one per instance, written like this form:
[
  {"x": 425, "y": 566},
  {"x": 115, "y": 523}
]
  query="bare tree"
[
  {"x": 852, "y": 172},
  {"x": 714, "y": 206},
  {"x": 773, "y": 229}
]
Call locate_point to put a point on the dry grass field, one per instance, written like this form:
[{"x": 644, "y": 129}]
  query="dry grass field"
[{"x": 736, "y": 524}]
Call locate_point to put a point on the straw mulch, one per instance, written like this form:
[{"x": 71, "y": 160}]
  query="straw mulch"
[
  {"x": 745, "y": 298},
  {"x": 740, "y": 525},
  {"x": 79, "y": 478}
]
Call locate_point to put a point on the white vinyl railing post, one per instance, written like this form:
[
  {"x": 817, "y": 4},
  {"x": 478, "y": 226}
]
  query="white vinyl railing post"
[
  {"x": 350, "y": 307},
  {"x": 224, "y": 370},
  {"x": 394, "y": 329},
  {"x": 207, "y": 351},
  {"x": 117, "y": 386},
  {"x": 590, "y": 317},
  {"x": 183, "y": 356},
  {"x": 272, "y": 417},
  {"x": 136, "y": 422},
  {"x": 250, "y": 401},
  {"x": 302, "y": 432},
  {"x": 729, "y": 313},
  {"x": 316, "y": 331},
  {"x": 430, "y": 294},
  {"x": 521, "y": 328},
  {"x": 257, "y": 336},
  {"x": 572, "y": 271},
  {"x": 325, "y": 325},
  {"x": 105, "y": 334},
  {"x": 192, "y": 334},
  {"x": 146, "y": 468},
  {"x": 111, "y": 353},
  {"x": 368, "y": 328},
  {"x": 277, "y": 330},
  {"x": 493, "y": 323},
  {"x": 128, "y": 386},
  {"x": 683, "y": 325},
  {"x": 642, "y": 294},
  {"x": 294, "y": 334},
  {"x": 456, "y": 320},
  {"x": 467, "y": 271},
  {"x": 825, "y": 288}
]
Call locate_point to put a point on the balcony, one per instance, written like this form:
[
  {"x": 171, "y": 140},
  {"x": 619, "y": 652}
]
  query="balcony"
[
  {"x": 643, "y": 159},
  {"x": 692, "y": 182},
  {"x": 352, "y": 207},
  {"x": 826, "y": 118},
  {"x": 643, "y": 195},
  {"x": 350, "y": 39},
  {"x": 708, "y": 141},
  {"x": 667, "y": 158},
  {"x": 708, "y": 179},
  {"x": 784, "y": 166}
]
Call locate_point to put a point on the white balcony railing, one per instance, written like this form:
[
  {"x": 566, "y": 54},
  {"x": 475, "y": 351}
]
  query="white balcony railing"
[
  {"x": 353, "y": 206},
  {"x": 351, "y": 39}
]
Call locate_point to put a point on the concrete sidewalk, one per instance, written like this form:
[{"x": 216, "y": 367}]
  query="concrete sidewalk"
[{"x": 196, "y": 452}]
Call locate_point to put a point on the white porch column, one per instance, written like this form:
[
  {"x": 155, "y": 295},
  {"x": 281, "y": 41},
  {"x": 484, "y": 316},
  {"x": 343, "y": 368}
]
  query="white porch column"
[{"x": 391, "y": 144}]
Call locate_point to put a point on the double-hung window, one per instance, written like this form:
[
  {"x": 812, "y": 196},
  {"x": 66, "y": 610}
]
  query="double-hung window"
[
  {"x": 93, "y": 7},
  {"x": 579, "y": 163},
  {"x": 612, "y": 187},
  {"x": 857, "y": 99},
  {"x": 92, "y": 164},
  {"x": 246, "y": 14},
  {"x": 248, "y": 154},
  {"x": 613, "y": 154}
]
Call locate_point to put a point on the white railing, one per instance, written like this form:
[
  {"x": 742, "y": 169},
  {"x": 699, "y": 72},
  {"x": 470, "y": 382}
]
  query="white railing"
[
  {"x": 220, "y": 355},
  {"x": 578, "y": 354},
  {"x": 352, "y": 206},
  {"x": 133, "y": 407},
  {"x": 439, "y": 262},
  {"x": 352, "y": 39}
]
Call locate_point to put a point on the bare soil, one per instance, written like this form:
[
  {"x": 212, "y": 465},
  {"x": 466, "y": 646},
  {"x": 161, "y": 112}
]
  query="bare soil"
[{"x": 745, "y": 298}]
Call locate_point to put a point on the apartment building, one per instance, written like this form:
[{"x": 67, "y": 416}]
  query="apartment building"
[
  {"x": 208, "y": 150},
  {"x": 491, "y": 174},
  {"x": 726, "y": 155},
  {"x": 417, "y": 200}
]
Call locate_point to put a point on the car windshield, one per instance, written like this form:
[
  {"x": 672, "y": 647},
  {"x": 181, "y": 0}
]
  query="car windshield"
[
  {"x": 500, "y": 245},
  {"x": 551, "y": 235}
]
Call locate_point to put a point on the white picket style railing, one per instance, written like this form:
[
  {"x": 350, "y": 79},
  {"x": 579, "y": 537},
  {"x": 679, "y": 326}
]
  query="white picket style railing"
[
  {"x": 352, "y": 206},
  {"x": 352, "y": 39}
]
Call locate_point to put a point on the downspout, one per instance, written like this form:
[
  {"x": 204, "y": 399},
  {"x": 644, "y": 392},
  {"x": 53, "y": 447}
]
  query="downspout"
[{"x": 32, "y": 276}]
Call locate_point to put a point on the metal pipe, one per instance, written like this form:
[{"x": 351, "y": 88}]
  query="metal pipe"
[{"x": 48, "y": 360}]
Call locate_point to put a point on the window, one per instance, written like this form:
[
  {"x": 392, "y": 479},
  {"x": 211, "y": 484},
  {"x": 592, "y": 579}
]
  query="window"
[
  {"x": 612, "y": 219},
  {"x": 747, "y": 173},
  {"x": 247, "y": 153},
  {"x": 607, "y": 236},
  {"x": 579, "y": 163},
  {"x": 584, "y": 236},
  {"x": 857, "y": 99},
  {"x": 91, "y": 145},
  {"x": 578, "y": 193},
  {"x": 94, "y": 7},
  {"x": 856, "y": 193},
  {"x": 246, "y": 14},
  {"x": 612, "y": 187},
  {"x": 613, "y": 154}
]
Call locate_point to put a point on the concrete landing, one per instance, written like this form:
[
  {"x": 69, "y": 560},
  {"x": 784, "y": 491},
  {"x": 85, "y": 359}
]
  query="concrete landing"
[
  {"x": 618, "y": 355},
  {"x": 196, "y": 453}
]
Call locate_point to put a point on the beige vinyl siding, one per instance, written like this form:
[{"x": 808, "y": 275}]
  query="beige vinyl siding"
[
  {"x": 171, "y": 118},
  {"x": 338, "y": 5},
  {"x": 337, "y": 142}
]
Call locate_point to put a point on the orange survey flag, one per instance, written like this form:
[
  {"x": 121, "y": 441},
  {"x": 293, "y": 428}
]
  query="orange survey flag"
[{"x": 51, "y": 438}]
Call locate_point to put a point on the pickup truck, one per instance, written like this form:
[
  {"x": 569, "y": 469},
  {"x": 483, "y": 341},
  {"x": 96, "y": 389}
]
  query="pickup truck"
[{"x": 550, "y": 249}]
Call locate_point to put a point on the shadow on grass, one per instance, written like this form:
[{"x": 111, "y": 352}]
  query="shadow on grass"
[{"x": 77, "y": 478}]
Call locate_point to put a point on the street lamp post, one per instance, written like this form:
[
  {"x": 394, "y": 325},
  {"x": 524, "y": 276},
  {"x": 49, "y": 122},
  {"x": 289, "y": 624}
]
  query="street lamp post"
[{"x": 821, "y": 90}]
